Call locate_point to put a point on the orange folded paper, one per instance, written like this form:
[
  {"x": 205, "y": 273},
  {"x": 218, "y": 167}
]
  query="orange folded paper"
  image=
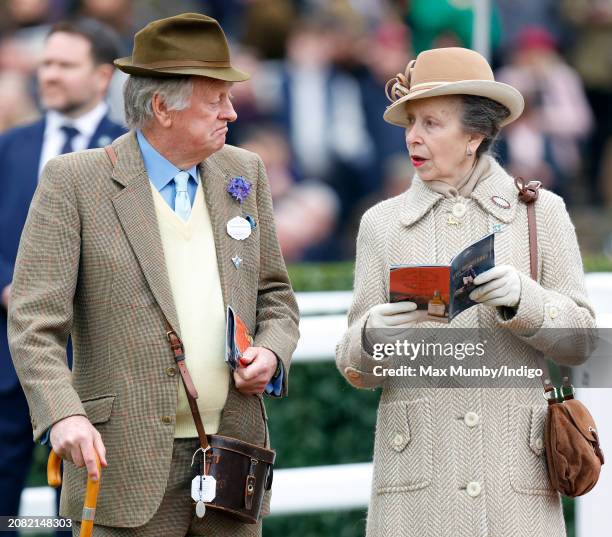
[{"x": 237, "y": 338}]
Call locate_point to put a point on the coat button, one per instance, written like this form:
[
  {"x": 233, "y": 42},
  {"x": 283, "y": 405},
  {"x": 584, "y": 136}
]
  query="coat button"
[
  {"x": 473, "y": 489},
  {"x": 539, "y": 443},
  {"x": 398, "y": 441},
  {"x": 459, "y": 210},
  {"x": 167, "y": 419},
  {"x": 471, "y": 419},
  {"x": 171, "y": 371},
  {"x": 553, "y": 311}
]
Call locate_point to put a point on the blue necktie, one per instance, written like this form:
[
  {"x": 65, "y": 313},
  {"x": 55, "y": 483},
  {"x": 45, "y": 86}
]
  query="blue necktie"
[
  {"x": 182, "y": 203},
  {"x": 69, "y": 133}
]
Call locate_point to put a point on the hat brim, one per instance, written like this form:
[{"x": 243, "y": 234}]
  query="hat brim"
[
  {"x": 227, "y": 74},
  {"x": 502, "y": 93}
]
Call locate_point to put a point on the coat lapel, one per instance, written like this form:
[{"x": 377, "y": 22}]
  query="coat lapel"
[
  {"x": 497, "y": 194},
  {"x": 136, "y": 212},
  {"x": 221, "y": 209},
  {"x": 30, "y": 160},
  {"x": 418, "y": 200}
]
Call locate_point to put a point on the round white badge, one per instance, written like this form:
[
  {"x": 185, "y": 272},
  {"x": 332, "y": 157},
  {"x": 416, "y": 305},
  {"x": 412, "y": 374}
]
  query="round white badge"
[{"x": 239, "y": 228}]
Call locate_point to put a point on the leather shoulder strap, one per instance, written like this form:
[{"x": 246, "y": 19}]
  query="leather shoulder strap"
[
  {"x": 528, "y": 194},
  {"x": 110, "y": 151}
]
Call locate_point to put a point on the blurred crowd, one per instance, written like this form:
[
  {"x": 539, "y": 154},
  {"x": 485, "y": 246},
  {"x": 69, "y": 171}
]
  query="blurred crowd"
[{"x": 313, "y": 107}]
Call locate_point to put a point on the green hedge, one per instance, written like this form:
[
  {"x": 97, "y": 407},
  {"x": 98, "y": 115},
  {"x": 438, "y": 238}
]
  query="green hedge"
[
  {"x": 324, "y": 421},
  {"x": 339, "y": 276}
]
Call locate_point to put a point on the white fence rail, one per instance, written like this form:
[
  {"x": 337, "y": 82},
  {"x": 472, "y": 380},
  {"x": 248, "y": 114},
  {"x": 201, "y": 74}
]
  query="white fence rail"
[{"x": 347, "y": 486}]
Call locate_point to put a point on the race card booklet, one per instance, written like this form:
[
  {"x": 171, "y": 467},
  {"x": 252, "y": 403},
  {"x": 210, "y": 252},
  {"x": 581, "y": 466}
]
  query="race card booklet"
[
  {"x": 237, "y": 338},
  {"x": 442, "y": 292}
]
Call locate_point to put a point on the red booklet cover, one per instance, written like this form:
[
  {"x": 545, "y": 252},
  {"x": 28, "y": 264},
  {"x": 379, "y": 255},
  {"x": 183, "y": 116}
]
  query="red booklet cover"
[
  {"x": 427, "y": 286},
  {"x": 442, "y": 292}
]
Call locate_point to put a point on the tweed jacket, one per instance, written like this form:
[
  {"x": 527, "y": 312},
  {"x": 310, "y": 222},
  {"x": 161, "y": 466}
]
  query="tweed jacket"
[
  {"x": 467, "y": 461},
  {"x": 91, "y": 263}
]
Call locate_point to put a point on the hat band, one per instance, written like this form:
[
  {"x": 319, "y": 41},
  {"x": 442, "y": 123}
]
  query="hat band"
[
  {"x": 427, "y": 85},
  {"x": 170, "y": 64}
]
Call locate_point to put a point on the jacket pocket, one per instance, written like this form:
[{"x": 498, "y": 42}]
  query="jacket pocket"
[
  {"x": 98, "y": 409},
  {"x": 527, "y": 456},
  {"x": 403, "y": 446}
]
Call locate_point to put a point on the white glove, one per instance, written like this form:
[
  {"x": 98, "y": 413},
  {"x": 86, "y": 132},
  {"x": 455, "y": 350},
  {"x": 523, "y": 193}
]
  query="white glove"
[
  {"x": 396, "y": 315},
  {"x": 499, "y": 286}
]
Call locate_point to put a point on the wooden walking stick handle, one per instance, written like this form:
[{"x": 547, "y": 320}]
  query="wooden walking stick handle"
[
  {"x": 54, "y": 478},
  {"x": 54, "y": 474}
]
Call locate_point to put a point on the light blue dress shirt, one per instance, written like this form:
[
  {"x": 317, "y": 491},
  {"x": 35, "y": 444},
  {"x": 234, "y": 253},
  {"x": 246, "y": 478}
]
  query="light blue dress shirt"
[{"x": 161, "y": 172}]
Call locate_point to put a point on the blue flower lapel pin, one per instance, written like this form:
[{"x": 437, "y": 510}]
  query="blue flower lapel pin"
[{"x": 239, "y": 188}]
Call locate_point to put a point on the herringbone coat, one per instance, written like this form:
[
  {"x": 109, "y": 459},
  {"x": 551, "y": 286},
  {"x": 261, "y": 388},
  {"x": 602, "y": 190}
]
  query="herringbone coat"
[
  {"x": 437, "y": 470},
  {"x": 91, "y": 263}
]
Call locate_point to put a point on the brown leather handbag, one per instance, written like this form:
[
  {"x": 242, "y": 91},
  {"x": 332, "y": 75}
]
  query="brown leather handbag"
[
  {"x": 573, "y": 454},
  {"x": 242, "y": 471}
]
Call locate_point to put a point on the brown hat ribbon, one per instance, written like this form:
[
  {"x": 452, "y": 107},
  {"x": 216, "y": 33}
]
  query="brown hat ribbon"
[{"x": 399, "y": 86}]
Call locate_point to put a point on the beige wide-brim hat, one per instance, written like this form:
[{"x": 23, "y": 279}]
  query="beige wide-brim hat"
[
  {"x": 448, "y": 71},
  {"x": 186, "y": 44}
]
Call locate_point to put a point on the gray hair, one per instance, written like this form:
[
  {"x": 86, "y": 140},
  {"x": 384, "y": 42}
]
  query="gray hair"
[
  {"x": 483, "y": 116},
  {"x": 138, "y": 93}
]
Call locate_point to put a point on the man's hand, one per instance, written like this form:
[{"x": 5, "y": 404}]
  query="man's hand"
[
  {"x": 257, "y": 366},
  {"x": 75, "y": 439},
  {"x": 6, "y": 296}
]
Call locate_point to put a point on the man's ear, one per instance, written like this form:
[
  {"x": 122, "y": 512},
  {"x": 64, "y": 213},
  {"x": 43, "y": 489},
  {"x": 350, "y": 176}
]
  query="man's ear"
[{"x": 160, "y": 111}]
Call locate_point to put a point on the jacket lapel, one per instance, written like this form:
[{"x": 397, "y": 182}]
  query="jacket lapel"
[
  {"x": 136, "y": 212},
  {"x": 30, "y": 160},
  {"x": 221, "y": 209}
]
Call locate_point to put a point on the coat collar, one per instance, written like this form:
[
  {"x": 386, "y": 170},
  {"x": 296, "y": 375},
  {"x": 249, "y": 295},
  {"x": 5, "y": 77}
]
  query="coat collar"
[
  {"x": 130, "y": 165},
  {"x": 419, "y": 199}
]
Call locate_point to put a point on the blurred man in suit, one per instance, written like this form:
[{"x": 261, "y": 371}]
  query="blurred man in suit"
[
  {"x": 73, "y": 79},
  {"x": 169, "y": 227}
]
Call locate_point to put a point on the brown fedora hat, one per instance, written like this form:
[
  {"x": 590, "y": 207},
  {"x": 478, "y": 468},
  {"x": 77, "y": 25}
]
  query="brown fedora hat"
[
  {"x": 186, "y": 44},
  {"x": 448, "y": 71}
]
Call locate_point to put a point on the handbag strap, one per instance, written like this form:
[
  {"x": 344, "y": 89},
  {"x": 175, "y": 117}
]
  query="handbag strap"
[
  {"x": 178, "y": 352},
  {"x": 528, "y": 194},
  {"x": 179, "y": 357}
]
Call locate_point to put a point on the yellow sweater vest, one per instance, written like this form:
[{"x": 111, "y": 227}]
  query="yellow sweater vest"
[{"x": 191, "y": 260}]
